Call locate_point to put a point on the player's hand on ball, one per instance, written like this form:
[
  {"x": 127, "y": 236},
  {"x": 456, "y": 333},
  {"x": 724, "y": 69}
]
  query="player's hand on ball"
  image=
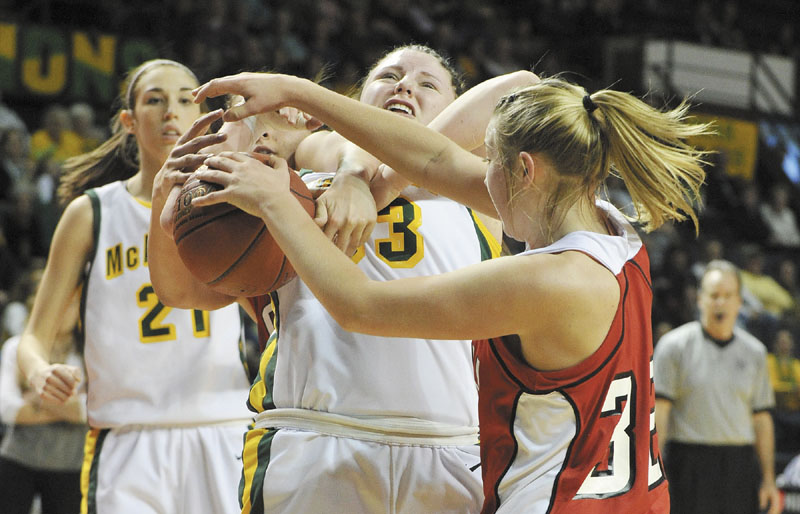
[
  {"x": 182, "y": 161},
  {"x": 56, "y": 383},
  {"x": 249, "y": 181}
]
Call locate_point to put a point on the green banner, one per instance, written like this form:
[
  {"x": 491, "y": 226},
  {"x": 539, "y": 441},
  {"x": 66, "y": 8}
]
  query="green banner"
[{"x": 52, "y": 63}]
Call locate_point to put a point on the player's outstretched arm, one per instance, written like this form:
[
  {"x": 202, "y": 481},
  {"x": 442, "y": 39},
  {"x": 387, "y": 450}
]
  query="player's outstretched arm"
[{"x": 424, "y": 156}]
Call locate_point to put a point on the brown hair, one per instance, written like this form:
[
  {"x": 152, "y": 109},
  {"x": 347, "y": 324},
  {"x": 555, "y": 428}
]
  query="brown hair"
[{"x": 589, "y": 137}]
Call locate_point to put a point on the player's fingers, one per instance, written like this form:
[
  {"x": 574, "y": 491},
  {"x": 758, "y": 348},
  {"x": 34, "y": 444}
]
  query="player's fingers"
[
  {"x": 217, "y": 87},
  {"x": 66, "y": 374},
  {"x": 210, "y": 198},
  {"x": 55, "y": 395},
  {"x": 241, "y": 111},
  {"x": 321, "y": 215},
  {"x": 57, "y": 387},
  {"x": 218, "y": 171},
  {"x": 196, "y": 144},
  {"x": 332, "y": 225},
  {"x": 200, "y": 125},
  {"x": 366, "y": 233},
  {"x": 187, "y": 164},
  {"x": 343, "y": 241}
]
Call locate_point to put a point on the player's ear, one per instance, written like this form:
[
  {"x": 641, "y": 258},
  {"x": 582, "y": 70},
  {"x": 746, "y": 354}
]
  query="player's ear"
[
  {"x": 127, "y": 120},
  {"x": 528, "y": 167}
]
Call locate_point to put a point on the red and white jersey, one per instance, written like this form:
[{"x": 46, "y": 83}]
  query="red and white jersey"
[{"x": 580, "y": 439}]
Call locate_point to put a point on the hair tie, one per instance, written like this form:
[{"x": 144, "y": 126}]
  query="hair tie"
[{"x": 588, "y": 104}]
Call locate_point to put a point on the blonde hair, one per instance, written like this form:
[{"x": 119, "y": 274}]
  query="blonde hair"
[
  {"x": 588, "y": 137},
  {"x": 117, "y": 158}
]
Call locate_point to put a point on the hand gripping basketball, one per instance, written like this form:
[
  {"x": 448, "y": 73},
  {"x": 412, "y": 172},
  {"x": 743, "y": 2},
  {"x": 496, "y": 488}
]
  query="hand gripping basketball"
[{"x": 228, "y": 249}]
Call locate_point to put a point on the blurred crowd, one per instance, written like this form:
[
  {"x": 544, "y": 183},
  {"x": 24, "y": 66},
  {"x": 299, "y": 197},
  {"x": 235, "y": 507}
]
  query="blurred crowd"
[{"x": 752, "y": 223}]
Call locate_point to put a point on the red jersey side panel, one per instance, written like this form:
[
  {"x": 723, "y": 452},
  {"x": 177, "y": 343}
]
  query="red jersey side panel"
[{"x": 581, "y": 439}]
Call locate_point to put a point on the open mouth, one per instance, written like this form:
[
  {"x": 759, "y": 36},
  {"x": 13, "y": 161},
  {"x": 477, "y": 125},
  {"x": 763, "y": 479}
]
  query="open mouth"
[
  {"x": 171, "y": 132},
  {"x": 399, "y": 108},
  {"x": 263, "y": 150}
]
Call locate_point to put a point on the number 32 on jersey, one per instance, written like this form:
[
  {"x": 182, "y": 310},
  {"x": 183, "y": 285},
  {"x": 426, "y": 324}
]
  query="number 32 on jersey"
[{"x": 620, "y": 470}]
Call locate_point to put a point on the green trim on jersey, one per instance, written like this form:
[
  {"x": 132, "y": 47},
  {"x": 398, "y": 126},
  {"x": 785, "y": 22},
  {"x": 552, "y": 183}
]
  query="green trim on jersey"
[
  {"x": 260, "y": 397},
  {"x": 96, "y": 218},
  {"x": 490, "y": 247}
]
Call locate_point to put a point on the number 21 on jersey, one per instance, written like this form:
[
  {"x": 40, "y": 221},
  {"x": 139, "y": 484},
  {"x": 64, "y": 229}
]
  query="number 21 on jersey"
[{"x": 153, "y": 329}]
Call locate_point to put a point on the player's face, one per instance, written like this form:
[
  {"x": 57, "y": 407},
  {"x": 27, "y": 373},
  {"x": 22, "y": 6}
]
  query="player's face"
[
  {"x": 278, "y": 137},
  {"x": 719, "y": 301},
  {"x": 410, "y": 83},
  {"x": 163, "y": 110},
  {"x": 515, "y": 223}
]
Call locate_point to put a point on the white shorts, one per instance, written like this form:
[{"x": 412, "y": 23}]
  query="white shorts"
[
  {"x": 164, "y": 470},
  {"x": 302, "y": 472}
]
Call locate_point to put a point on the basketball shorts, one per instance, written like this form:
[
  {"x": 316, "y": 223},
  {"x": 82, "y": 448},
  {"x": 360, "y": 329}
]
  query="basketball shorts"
[
  {"x": 163, "y": 470},
  {"x": 294, "y": 471}
]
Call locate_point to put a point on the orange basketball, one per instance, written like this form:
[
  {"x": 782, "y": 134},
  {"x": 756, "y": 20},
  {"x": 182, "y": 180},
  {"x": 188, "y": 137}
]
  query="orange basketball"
[{"x": 228, "y": 249}]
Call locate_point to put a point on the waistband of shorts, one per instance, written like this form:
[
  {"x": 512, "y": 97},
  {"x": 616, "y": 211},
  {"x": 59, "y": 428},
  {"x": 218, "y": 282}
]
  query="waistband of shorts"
[
  {"x": 388, "y": 430},
  {"x": 243, "y": 422}
]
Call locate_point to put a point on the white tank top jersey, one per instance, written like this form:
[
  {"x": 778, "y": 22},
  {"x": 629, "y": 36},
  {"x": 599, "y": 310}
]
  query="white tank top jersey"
[
  {"x": 315, "y": 364},
  {"x": 148, "y": 364}
]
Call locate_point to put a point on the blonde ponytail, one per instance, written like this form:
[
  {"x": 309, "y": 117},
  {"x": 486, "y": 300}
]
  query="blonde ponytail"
[{"x": 588, "y": 137}]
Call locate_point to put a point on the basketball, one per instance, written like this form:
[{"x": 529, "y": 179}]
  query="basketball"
[{"x": 228, "y": 249}]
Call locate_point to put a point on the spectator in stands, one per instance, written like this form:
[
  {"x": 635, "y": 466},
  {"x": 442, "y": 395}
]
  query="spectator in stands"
[
  {"x": 55, "y": 140},
  {"x": 82, "y": 117},
  {"x": 16, "y": 171},
  {"x": 713, "y": 399},
  {"x": 744, "y": 216},
  {"x": 775, "y": 299},
  {"x": 711, "y": 249},
  {"x": 42, "y": 451},
  {"x": 784, "y": 374},
  {"x": 674, "y": 287},
  {"x": 9, "y": 119},
  {"x": 781, "y": 220}
]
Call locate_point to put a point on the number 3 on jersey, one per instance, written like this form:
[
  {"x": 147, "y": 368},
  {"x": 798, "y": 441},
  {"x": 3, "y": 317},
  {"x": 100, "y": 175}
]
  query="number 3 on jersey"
[
  {"x": 404, "y": 247},
  {"x": 152, "y": 328}
]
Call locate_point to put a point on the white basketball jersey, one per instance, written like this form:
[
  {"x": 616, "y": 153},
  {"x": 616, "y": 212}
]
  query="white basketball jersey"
[
  {"x": 320, "y": 366},
  {"x": 147, "y": 363}
]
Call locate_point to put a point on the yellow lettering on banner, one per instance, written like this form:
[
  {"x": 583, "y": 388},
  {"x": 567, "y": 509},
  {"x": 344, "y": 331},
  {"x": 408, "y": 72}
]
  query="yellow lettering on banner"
[
  {"x": 100, "y": 58},
  {"x": 8, "y": 41},
  {"x": 736, "y": 140},
  {"x": 53, "y": 82}
]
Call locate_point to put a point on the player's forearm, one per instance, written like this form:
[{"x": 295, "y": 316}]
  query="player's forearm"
[
  {"x": 465, "y": 120},
  {"x": 333, "y": 278},
  {"x": 414, "y": 150},
  {"x": 31, "y": 355},
  {"x": 173, "y": 283}
]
